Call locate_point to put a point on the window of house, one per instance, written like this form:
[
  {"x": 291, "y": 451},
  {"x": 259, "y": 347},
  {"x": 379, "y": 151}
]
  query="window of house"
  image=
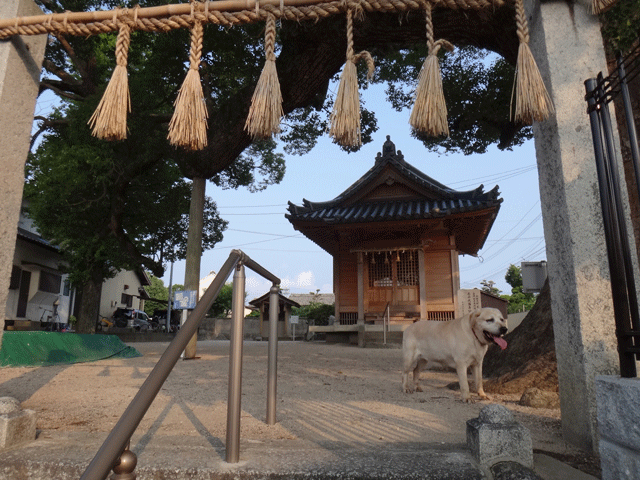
[
  {"x": 49, "y": 282},
  {"x": 127, "y": 300},
  {"x": 14, "y": 283}
]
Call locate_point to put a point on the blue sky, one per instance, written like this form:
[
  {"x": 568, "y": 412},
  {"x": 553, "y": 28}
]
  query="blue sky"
[{"x": 258, "y": 227}]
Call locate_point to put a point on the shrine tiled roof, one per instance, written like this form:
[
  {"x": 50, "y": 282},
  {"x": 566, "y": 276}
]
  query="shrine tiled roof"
[
  {"x": 387, "y": 210},
  {"x": 440, "y": 201},
  {"x": 396, "y": 193}
]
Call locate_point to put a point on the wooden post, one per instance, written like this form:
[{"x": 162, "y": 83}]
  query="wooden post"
[
  {"x": 422, "y": 272},
  {"x": 360, "y": 300},
  {"x": 455, "y": 275}
]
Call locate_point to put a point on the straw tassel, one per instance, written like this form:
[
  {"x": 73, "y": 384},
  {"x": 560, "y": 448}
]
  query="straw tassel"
[
  {"x": 533, "y": 102},
  {"x": 429, "y": 114},
  {"x": 188, "y": 125},
  {"x": 345, "y": 118},
  {"x": 109, "y": 121},
  {"x": 601, "y": 6},
  {"x": 266, "y": 105}
]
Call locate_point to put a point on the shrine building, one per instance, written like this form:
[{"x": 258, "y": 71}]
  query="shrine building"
[{"x": 395, "y": 236}]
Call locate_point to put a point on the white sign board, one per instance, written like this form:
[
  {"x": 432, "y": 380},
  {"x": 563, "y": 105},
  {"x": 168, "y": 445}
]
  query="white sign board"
[
  {"x": 294, "y": 319},
  {"x": 185, "y": 299}
]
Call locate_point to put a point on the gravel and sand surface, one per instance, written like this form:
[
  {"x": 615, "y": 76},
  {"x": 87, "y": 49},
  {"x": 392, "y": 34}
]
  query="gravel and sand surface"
[{"x": 326, "y": 393}]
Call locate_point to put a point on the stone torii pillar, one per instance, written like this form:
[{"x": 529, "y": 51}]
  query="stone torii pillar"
[
  {"x": 568, "y": 47},
  {"x": 20, "y": 65}
]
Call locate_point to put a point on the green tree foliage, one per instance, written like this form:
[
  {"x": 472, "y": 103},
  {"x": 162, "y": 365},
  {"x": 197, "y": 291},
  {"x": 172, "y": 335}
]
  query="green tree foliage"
[
  {"x": 316, "y": 313},
  {"x": 518, "y": 300},
  {"x": 157, "y": 291},
  {"x": 488, "y": 286},
  {"x": 221, "y": 308},
  {"x": 620, "y": 25},
  {"x": 468, "y": 73}
]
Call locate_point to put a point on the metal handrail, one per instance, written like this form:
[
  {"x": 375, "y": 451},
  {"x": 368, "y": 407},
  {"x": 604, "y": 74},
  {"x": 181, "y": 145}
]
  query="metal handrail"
[
  {"x": 117, "y": 440},
  {"x": 385, "y": 324}
]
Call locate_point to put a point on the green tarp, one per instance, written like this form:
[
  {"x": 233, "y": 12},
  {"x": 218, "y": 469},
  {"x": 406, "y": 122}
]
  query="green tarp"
[{"x": 30, "y": 349}]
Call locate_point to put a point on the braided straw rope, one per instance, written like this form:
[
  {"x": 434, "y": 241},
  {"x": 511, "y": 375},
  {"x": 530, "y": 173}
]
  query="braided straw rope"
[
  {"x": 109, "y": 121},
  {"x": 345, "y": 118},
  {"x": 188, "y": 125},
  {"x": 533, "y": 102},
  {"x": 266, "y": 105},
  {"x": 222, "y": 12},
  {"x": 429, "y": 114}
]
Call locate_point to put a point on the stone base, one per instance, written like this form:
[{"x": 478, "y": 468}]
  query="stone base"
[
  {"x": 619, "y": 426},
  {"x": 495, "y": 436},
  {"x": 16, "y": 426}
]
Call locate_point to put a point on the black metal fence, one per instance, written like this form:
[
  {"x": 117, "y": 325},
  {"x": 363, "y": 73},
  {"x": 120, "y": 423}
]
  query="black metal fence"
[{"x": 600, "y": 92}]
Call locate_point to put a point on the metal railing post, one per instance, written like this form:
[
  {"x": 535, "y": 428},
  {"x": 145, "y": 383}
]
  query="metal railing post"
[
  {"x": 116, "y": 441},
  {"x": 628, "y": 115},
  {"x": 112, "y": 449},
  {"x": 610, "y": 220},
  {"x": 235, "y": 367},
  {"x": 272, "y": 371}
]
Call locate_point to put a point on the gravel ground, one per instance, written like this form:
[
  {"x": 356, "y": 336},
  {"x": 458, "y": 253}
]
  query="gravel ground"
[{"x": 326, "y": 393}]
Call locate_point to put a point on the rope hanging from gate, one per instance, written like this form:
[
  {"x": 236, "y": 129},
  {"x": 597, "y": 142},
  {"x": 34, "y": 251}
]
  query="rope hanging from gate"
[
  {"x": 429, "y": 114},
  {"x": 345, "y": 117},
  {"x": 266, "y": 105},
  {"x": 533, "y": 102},
  {"x": 109, "y": 121},
  {"x": 188, "y": 125}
]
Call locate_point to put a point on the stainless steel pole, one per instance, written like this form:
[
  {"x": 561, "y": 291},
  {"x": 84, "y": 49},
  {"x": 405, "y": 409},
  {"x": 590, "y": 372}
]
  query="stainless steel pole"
[
  {"x": 272, "y": 370},
  {"x": 235, "y": 367},
  {"x": 114, "y": 444}
]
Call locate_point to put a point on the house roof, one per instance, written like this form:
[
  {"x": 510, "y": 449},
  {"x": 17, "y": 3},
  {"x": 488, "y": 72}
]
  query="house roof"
[
  {"x": 309, "y": 298},
  {"x": 256, "y": 302},
  {"x": 35, "y": 238},
  {"x": 395, "y": 191}
]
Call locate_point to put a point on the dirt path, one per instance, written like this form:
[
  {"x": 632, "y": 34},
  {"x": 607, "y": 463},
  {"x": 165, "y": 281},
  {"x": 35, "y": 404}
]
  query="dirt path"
[{"x": 326, "y": 393}]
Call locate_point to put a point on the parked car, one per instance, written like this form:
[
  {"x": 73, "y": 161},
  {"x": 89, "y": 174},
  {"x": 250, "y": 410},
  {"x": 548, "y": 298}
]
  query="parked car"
[
  {"x": 160, "y": 316},
  {"x": 131, "y": 318}
]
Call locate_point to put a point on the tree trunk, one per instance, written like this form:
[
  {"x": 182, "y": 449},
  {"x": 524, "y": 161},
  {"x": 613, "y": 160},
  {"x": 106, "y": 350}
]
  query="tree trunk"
[
  {"x": 530, "y": 357},
  {"x": 194, "y": 249},
  {"x": 89, "y": 305}
]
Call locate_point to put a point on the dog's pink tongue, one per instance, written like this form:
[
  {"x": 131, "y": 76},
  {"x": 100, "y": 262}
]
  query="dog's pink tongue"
[{"x": 501, "y": 342}]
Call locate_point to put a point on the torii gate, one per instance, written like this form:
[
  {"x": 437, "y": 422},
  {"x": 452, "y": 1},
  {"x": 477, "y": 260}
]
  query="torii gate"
[{"x": 567, "y": 42}]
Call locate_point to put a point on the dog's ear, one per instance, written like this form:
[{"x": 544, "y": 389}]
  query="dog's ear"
[{"x": 473, "y": 316}]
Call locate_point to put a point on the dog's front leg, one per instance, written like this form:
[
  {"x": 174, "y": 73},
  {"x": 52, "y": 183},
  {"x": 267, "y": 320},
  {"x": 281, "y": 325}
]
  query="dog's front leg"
[
  {"x": 461, "y": 369},
  {"x": 477, "y": 378}
]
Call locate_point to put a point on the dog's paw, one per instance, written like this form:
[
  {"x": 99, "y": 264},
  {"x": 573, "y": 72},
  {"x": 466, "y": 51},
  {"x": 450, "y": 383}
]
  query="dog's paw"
[
  {"x": 407, "y": 389},
  {"x": 468, "y": 400},
  {"x": 484, "y": 396}
]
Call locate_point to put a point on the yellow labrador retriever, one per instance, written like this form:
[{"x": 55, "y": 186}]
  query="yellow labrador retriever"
[{"x": 459, "y": 344}]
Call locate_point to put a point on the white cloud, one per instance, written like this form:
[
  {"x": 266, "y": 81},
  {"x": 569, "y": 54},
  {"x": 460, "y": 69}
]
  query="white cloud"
[{"x": 305, "y": 279}]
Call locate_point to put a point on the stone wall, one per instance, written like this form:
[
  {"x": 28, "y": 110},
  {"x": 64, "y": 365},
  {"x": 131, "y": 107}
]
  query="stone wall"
[
  {"x": 619, "y": 427},
  {"x": 220, "y": 329}
]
